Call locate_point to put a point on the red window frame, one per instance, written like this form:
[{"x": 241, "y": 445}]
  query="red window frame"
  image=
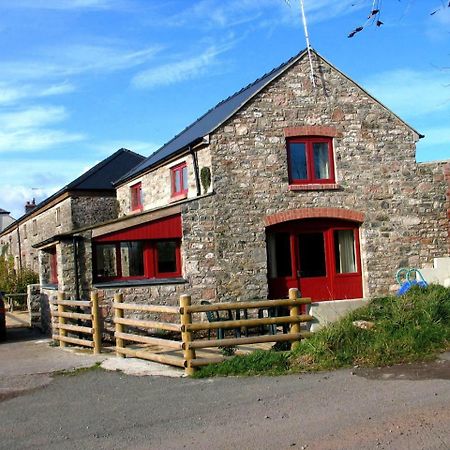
[
  {"x": 150, "y": 262},
  {"x": 53, "y": 266},
  {"x": 310, "y": 169},
  {"x": 136, "y": 197},
  {"x": 179, "y": 172}
]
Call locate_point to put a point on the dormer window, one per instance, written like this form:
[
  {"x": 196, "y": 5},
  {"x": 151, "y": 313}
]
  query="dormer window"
[
  {"x": 136, "y": 197},
  {"x": 179, "y": 179},
  {"x": 310, "y": 160}
]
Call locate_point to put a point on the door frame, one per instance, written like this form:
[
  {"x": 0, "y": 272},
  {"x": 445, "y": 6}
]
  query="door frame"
[{"x": 335, "y": 281}]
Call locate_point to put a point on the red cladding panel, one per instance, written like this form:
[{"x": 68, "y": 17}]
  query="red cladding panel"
[{"x": 165, "y": 228}]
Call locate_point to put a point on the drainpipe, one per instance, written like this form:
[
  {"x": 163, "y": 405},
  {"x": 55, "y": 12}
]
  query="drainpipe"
[
  {"x": 20, "y": 248},
  {"x": 75, "y": 264},
  {"x": 77, "y": 284},
  {"x": 196, "y": 171}
]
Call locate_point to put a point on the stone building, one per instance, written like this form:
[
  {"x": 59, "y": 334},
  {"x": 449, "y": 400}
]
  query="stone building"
[
  {"x": 283, "y": 184},
  {"x": 89, "y": 199}
]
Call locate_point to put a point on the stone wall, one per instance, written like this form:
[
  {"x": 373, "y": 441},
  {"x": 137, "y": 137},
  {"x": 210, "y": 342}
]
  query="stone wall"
[
  {"x": 37, "y": 229},
  {"x": 90, "y": 210},
  {"x": 405, "y": 204},
  {"x": 34, "y": 305},
  {"x": 156, "y": 185}
]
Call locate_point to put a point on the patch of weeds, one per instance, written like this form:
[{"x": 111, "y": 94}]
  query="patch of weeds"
[
  {"x": 258, "y": 362},
  {"x": 413, "y": 327},
  {"x": 78, "y": 371},
  {"x": 228, "y": 351}
]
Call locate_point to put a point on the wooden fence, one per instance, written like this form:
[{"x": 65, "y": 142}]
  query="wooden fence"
[
  {"x": 69, "y": 311},
  {"x": 16, "y": 301},
  {"x": 122, "y": 336},
  {"x": 182, "y": 353}
]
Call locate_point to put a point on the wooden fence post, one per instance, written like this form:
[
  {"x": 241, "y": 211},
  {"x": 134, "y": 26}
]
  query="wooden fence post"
[
  {"x": 97, "y": 338},
  {"x": 61, "y": 320},
  {"x": 294, "y": 311},
  {"x": 118, "y": 314},
  {"x": 186, "y": 336}
]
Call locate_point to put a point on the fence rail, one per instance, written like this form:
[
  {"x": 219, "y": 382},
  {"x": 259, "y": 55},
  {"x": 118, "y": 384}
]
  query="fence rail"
[
  {"x": 122, "y": 337},
  {"x": 91, "y": 322},
  {"x": 182, "y": 353}
]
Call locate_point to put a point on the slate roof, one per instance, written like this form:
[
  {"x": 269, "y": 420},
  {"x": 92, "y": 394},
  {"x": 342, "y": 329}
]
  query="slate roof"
[
  {"x": 216, "y": 116},
  {"x": 210, "y": 121},
  {"x": 98, "y": 178},
  {"x": 2, "y": 211}
]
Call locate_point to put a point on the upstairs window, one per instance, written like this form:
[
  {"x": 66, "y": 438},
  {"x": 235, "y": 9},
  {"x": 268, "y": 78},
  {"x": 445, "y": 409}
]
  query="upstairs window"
[
  {"x": 179, "y": 179},
  {"x": 136, "y": 197},
  {"x": 310, "y": 160},
  {"x": 58, "y": 216}
]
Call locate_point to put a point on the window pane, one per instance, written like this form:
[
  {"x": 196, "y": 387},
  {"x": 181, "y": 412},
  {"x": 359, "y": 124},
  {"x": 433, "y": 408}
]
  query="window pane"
[
  {"x": 106, "y": 260},
  {"x": 185, "y": 179},
  {"x": 297, "y": 152},
  {"x": 177, "y": 175},
  {"x": 321, "y": 161},
  {"x": 311, "y": 248},
  {"x": 166, "y": 256},
  {"x": 279, "y": 255},
  {"x": 132, "y": 258},
  {"x": 344, "y": 249}
]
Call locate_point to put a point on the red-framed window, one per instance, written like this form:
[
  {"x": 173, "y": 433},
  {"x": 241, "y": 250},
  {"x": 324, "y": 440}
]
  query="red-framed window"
[
  {"x": 53, "y": 266},
  {"x": 136, "y": 260},
  {"x": 310, "y": 160},
  {"x": 179, "y": 180},
  {"x": 136, "y": 197}
]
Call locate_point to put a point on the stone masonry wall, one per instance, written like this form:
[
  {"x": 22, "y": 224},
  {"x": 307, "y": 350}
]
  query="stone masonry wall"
[
  {"x": 404, "y": 203},
  {"x": 92, "y": 210},
  {"x": 156, "y": 185},
  {"x": 38, "y": 229}
]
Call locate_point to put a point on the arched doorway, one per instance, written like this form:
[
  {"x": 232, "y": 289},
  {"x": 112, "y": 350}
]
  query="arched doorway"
[{"x": 320, "y": 257}]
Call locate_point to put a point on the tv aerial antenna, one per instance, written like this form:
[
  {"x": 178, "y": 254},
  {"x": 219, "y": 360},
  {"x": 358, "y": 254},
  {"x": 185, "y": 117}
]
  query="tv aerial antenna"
[{"x": 308, "y": 44}]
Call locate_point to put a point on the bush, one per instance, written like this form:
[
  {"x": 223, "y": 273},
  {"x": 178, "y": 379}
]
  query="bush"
[{"x": 15, "y": 281}]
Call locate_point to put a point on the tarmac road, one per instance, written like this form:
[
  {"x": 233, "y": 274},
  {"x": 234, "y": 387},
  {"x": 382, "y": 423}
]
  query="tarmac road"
[{"x": 407, "y": 407}]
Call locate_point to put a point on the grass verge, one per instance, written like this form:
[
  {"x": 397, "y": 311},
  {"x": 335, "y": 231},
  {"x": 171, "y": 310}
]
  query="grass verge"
[{"x": 412, "y": 327}]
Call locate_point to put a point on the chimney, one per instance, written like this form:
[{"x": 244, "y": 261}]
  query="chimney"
[{"x": 29, "y": 206}]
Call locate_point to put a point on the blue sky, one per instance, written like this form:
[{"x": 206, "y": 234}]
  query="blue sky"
[{"x": 81, "y": 78}]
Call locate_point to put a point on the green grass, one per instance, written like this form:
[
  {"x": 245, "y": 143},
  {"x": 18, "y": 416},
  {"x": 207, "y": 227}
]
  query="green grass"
[
  {"x": 408, "y": 328},
  {"x": 78, "y": 371}
]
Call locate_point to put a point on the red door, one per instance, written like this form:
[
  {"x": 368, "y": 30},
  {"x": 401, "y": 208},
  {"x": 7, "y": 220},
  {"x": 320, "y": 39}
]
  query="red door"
[{"x": 319, "y": 257}]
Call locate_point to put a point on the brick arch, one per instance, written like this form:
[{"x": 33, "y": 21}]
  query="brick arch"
[
  {"x": 314, "y": 213},
  {"x": 312, "y": 130}
]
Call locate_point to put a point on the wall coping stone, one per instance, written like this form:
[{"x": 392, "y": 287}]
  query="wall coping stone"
[{"x": 133, "y": 283}]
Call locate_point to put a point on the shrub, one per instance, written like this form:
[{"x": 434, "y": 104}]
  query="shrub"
[{"x": 15, "y": 281}]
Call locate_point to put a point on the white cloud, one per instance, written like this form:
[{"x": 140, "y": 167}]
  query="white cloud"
[
  {"x": 11, "y": 93},
  {"x": 44, "y": 177},
  {"x": 212, "y": 14},
  {"x": 64, "y": 4},
  {"x": 36, "y": 139},
  {"x": 27, "y": 129},
  {"x": 180, "y": 70},
  {"x": 411, "y": 93},
  {"x": 32, "y": 118},
  {"x": 62, "y": 62}
]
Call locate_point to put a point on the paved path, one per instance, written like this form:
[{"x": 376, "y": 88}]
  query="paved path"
[
  {"x": 406, "y": 407},
  {"x": 403, "y": 407}
]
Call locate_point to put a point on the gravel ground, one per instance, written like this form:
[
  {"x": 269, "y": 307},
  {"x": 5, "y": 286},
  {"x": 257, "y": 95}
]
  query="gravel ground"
[{"x": 347, "y": 409}]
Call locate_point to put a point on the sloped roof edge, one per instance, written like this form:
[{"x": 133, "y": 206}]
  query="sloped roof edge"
[
  {"x": 72, "y": 186},
  {"x": 210, "y": 121}
]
